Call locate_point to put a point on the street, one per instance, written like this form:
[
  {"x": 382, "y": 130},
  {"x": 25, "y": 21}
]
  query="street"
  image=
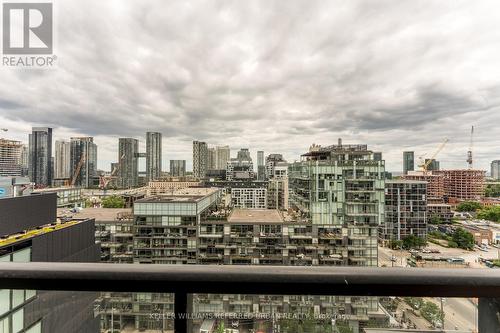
[
  {"x": 460, "y": 313},
  {"x": 470, "y": 257}
]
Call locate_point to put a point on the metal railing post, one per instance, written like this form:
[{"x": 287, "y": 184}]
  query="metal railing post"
[
  {"x": 180, "y": 311},
  {"x": 488, "y": 315}
]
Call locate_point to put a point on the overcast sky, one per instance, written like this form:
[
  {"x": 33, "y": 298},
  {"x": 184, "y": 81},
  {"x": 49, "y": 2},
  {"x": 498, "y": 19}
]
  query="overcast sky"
[{"x": 269, "y": 75}]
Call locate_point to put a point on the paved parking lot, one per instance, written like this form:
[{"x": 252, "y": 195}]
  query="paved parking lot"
[{"x": 471, "y": 257}]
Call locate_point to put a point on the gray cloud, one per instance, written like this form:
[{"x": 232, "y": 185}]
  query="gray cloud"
[{"x": 269, "y": 75}]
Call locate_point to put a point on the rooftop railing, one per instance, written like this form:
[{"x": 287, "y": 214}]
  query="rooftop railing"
[{"x": 183, "y": 280}]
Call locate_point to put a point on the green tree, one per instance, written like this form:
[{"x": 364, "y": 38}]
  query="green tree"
[
  {"x": 395, "y": 244},
  {"x": 469, "y": 206},
  {"x": 491, "y": 213},
  {"x": 412, "y": 242},
  {"x": 113, "y": 201},
  {"x": 492, "y": 190},
  {"x": 435, "y": 219},
  {"x": 463, "y": 239},
  {"x": 415, "y": 302},
  {"x": 432, "y": 313}
]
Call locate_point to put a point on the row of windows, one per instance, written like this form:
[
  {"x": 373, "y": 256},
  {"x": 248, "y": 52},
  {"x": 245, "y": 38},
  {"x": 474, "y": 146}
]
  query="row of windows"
[{"x": 13, "y": 299}]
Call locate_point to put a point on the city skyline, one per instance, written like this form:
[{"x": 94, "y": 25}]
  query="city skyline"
[
  {"x": 166, "y": 157},
  {"x": 401, "y": 81}
]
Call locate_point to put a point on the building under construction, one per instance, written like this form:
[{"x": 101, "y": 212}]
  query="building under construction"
[
  {"x": 462, "y": 185},
  {"x": 451, "y": 185},
  {"x": 435, "y": 184}
]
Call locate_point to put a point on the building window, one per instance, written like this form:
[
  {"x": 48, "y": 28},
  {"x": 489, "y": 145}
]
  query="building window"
[
  {"x": 22, "y": 255},
  {"x": 18, "y": 320},
  {"x": 37, "y": 328},
  {"x": 4, "y": 325},
  {"x": 4, "y": 301},
  {"x": 17, "y": 297}
]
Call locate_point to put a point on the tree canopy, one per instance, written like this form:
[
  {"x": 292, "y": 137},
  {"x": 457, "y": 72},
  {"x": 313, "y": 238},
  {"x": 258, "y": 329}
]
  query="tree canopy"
[
  {"x": 412, "y": 242},
  {"x": 113, "y": 201},
  {"x": 469, "y": 206},
  {"x": 490, "y": 213},
  {"x": 463, "y": 239},
  {"x": 435, "y": 219},
  {"x": 492, "y": 190}
]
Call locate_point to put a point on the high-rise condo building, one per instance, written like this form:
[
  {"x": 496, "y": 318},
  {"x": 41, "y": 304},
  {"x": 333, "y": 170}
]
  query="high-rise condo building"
[
  {"x": 177, "y": 168},
  {"x": 223, "y": 156},
  {"x": 244, "y": 154},
  {"x": 408, "y": 161},
  {"x": 83, "y": 161},
  {"x": 240, "y": 167},
  {"x": 261, "y": 166},
  {"x": 495, "y": 169},
  {"x": 377, "y": 156},
  {"x": 271, "y": 161},
  {"x": 405, "y": 210},
  {"x": 200, "y": 159},
  {"x": 24, "y": 160},
  {"x": 199, "y": 228},
  {"x": 277, "y": 194},
  {"x": 62, "y": 161},
  {"x": 260, "y": 158},
  {"x": 10, "y": 158},
  {"x": 40, "y": 156},
  {"x": 212, "y": 159},
  {"x": 340, "y": 190},
  {"x": 433, "y": 165},
  {"x": 128, "y": 152},
  {"x": 153, "y": 156}
]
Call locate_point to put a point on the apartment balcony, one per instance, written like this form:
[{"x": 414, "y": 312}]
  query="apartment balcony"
[
  {"x": 359, "y": 189},
  {"x": 182, "y": 281},
  {"x": 331, "y": 257},
  {"x": 361, "y": 202},
  {"x": 270, "y": 235},
  {"x": 301, "y": 236},
  {"x": 211, "y": 235},
  {"x": 330, "y": 235},
  {"x": 276, "y": 256},
  {"x": 361, "y": 213},
  {"x": 241, "y": 234}
]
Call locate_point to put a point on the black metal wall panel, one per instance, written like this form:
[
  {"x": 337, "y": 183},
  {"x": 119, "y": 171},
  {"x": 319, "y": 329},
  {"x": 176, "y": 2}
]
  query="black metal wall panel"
[
  {"x": 21, "y": 213},
  {"x": 72, "y": 244}
]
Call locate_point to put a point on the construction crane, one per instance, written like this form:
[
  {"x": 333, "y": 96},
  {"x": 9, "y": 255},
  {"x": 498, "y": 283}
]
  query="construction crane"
[
  {"x": 105, "y": 180},
  {"x": 424, "y": 165},
  {"x": 77, "y": 170},
  {"x": 469, "y": 152}
]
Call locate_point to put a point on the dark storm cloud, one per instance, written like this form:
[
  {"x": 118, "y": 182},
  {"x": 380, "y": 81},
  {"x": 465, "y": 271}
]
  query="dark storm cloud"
[{"x": 269, "y": 75}]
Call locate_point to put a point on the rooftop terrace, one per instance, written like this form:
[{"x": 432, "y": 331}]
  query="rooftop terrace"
[
  {"x": 99, "y": 214},
  {"x": 255, "y": 216},
  {"x": 191, "y": 194}
]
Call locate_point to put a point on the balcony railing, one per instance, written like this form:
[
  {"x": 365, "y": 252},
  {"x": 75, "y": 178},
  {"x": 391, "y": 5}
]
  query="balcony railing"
[{"x": 184, "y": 280}]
